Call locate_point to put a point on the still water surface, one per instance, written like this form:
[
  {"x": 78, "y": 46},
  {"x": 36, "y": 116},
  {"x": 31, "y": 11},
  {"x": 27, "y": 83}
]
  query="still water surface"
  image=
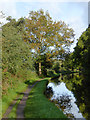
[
  {"x": 65, "y": 99},
  {"x": 61, "y": 90}
]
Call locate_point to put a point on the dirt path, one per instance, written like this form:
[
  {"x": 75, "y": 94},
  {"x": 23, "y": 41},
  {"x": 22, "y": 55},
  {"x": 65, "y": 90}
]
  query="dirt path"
[
  {"x": 10, "y": 108},
  {"x": 21, "y": 105}
]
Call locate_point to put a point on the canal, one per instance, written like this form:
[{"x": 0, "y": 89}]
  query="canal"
[{"x": 70, "y": 94}]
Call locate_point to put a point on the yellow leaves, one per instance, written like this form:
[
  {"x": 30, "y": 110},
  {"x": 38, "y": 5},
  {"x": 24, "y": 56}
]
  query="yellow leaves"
[
  {"x": 25, "y": 40},
  {"x": 56, "y": 52},
  {"x": 42, "y": 28},
  {"x": 38, "y": 50}
]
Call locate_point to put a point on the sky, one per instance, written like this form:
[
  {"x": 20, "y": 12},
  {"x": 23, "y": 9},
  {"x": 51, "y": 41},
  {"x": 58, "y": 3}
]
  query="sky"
[{"x": 74, "y": 14}]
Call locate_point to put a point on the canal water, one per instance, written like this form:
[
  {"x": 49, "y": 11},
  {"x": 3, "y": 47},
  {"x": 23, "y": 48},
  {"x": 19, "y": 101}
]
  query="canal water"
[{"x": 65, "y": 97}]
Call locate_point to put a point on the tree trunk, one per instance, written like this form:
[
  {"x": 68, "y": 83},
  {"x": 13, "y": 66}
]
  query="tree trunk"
[{"x": 40, "y": 69}]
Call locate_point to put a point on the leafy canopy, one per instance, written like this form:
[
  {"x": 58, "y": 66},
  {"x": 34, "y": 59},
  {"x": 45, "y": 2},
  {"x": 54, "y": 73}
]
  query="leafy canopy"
[
  {"x": 16, "y": 54},
  {"x": 43, "y": 34}
]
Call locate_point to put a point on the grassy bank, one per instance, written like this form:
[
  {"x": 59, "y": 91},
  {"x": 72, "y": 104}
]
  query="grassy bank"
[
  {"x": 12, "y": 114},
  {"x": 11, "y": 95},
  {"x": 18, "y": 86},
  {"x": 38, "y": 106}
]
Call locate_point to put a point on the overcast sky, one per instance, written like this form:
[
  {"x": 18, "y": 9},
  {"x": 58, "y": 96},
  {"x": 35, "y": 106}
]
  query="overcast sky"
[{"x": 75, "y": 13}]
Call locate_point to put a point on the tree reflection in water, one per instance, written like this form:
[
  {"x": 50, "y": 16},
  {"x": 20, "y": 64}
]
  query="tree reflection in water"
[
  {"x": 64, "y": 103},
  {"x": 65, "y": 99},
  {"x": 79, "y": 84}
]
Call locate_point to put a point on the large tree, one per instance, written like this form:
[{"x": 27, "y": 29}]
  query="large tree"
[{"x": 47, "y": 36}]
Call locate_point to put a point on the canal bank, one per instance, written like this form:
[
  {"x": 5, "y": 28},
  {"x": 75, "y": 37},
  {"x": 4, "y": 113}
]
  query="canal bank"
[
  {"x": 68, "y": 95},
  {"x": 38, "y": 106}
]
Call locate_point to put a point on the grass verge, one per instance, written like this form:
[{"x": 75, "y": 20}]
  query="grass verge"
[
  {"x": 12, "y": 94},
  {"x": 13, "y": 111},
  {"x": 38, "y": 106}
]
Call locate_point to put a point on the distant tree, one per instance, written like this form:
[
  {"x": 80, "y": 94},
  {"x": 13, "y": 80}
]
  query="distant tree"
[
  {"x": 2, "y": 15},
  {"x": 56, "y": 67},
  {"x": 68, "y": 62},
  {"x": 45, "y": 64}
]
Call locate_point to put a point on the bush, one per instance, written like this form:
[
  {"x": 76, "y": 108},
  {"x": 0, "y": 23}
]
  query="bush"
[
  {"x": 50, "y": 73},
  {"x": 56, "y": 67}
]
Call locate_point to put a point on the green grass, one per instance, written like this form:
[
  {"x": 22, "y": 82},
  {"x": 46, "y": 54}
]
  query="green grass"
[
  {"x": 13, "y": 111},
  {"x": 38, "y": 106},
  {"x": 11, "y": 95},
  {"x": 18, "y": 85}
]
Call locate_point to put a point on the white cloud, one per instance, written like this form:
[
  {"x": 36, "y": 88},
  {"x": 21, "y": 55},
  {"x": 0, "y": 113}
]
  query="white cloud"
[
  {"x": 78, "y": 26},
  {"x": 9, "y": 8}
]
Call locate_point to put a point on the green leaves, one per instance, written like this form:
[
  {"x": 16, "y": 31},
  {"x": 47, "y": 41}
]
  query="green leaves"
[
  {"x": 16, "y": 54},
  {"x": 42, "y": 31},
  {"x": 82, "y": 51}
]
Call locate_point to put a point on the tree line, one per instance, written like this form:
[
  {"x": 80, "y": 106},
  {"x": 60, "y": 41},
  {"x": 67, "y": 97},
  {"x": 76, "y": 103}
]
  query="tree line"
[
  {"x": 38, "y": 44},
  {"x": 41, "y": 45},
  {"x": 37, "y": 37}
]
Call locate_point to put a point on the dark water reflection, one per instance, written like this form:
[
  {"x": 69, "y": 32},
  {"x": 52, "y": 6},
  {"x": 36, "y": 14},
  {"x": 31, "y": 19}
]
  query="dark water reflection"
[{"x": 71, "y": 94}]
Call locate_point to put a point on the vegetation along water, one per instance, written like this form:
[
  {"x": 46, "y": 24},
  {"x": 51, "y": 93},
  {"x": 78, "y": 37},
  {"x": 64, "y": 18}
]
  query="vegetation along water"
[{"x": 37, "y": 48}]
